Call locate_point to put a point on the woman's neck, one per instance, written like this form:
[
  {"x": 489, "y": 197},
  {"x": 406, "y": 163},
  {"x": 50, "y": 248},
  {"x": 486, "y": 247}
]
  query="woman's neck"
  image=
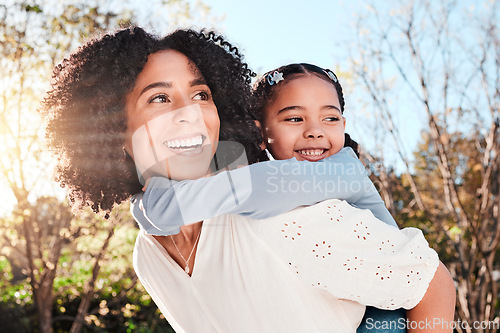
[
  {"x": 188, "y": 234},
  {"x": 183, "y": 246}
]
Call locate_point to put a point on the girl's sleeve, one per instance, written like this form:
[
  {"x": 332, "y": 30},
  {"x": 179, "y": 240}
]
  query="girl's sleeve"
[
  {"x": 352, "y": 255},
  {"x": 258, "y": 191}
]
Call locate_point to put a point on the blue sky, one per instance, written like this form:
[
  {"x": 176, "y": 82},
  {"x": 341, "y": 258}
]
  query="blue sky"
[{"x": 274, "y": 33}]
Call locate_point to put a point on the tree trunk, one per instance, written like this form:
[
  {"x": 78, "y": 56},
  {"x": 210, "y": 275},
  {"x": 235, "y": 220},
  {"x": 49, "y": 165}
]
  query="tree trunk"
[
  {"x": 84, "y": 306},
  {"x": 44, "y": 299}
]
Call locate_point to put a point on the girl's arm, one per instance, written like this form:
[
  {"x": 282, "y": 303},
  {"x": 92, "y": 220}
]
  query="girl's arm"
[
  {"x": 259, "y": 191},
  {"x": 435, "y": 312},
  {"x": 350, "y": 254}
]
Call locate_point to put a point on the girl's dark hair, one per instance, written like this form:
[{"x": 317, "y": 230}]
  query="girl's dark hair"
[
  {"x": 85, "y": 108},
  {"x": 266, "y": 89}
]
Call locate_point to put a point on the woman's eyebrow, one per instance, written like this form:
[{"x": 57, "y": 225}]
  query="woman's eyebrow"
[
  {"x": 156, "y": 85},
  {"x": 199, "y": 81}
]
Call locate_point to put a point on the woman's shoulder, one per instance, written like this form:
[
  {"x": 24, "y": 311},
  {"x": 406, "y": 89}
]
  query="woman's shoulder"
[
  {"x": 145, "y": 253},
  {"x": 145, "y": 243}
]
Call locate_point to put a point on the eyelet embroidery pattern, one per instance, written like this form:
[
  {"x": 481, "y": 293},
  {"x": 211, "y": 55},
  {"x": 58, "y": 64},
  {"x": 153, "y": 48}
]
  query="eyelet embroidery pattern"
[
  {"x": 413, "y": 277},
  {"x": 382, "y": 306},
  {"x": 353, "y": 263},
  {"x": 291, "y": 230},
  {"x": 293, "y": 267},
  {"x": 387, "y": 247},
  {"x": 417, "y": 253},
  {"x": 319, "y": 285},
  {"x": 357, "y": 248},
  {"x": 334, "y": 213},
  {"x": 384, "y": 272},
  {"x": 361, "y": 231},
  {"x": 322, "y": 250}
]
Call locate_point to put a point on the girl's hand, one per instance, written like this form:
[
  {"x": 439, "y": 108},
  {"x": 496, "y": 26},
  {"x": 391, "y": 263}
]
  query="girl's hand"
[{"x": 146, "y": 185}]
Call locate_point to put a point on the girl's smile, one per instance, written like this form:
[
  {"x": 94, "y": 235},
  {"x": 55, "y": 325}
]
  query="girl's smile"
[
  {"x": 312, "y": 154},
  {"x": 304, "y": 120}
]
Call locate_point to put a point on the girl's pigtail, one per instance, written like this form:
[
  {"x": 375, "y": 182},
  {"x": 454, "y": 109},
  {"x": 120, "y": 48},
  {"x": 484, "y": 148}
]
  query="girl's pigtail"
[{"x": 351, "y": 143}]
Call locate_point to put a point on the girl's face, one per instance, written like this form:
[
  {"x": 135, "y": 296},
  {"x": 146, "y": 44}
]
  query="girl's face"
[
  {"x": 304, "y": 121},
  {"x": 172, "y": 121}
]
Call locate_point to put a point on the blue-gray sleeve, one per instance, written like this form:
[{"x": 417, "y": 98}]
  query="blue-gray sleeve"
[{"x": 259, "y": 191}]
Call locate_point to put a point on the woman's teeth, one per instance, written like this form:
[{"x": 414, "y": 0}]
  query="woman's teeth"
[
  {"x": 311, "y": 152},
  {"x": 187, "y": 143}
]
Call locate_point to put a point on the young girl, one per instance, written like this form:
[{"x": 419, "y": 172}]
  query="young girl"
[
  {"x": 300, "y": 109},
  {"x": 302, "y": 117}
]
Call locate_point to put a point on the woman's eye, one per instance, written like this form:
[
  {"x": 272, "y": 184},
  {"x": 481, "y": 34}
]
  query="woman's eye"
[
  {"x": 159, "y": 99},
  {"x": 294, "y": 119},
  {"x": 202, "y": 96}
]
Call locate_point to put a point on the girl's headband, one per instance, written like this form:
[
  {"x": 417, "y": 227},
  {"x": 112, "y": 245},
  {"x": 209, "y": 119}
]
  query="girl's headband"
[
  {"x": 331, "y": 75},
  {"x": 275, "y": 77}
]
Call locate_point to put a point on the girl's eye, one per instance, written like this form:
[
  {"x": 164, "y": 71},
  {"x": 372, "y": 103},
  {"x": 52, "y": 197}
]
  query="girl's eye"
[
  {"x": 202, "y": 96},
  {"x": 332, "y": 119},
  {"x": 294, "y": 119},
  {"x": 162, "y": 98}
]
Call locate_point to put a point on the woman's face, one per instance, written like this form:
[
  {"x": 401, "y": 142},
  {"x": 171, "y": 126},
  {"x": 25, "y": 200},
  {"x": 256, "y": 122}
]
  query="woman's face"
[{"x": 172, "y": 121}]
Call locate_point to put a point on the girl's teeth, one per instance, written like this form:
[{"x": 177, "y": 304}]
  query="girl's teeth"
[{"x": 311, "y": 152}]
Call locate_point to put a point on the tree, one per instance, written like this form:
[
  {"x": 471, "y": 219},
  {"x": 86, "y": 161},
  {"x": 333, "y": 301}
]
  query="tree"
[
  {"x": 440, "y": 61},
  {"x": 34, "y": 36}
]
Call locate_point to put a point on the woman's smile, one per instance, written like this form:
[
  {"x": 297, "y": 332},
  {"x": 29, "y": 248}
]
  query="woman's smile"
[
  {"x": 185, "y": 143},
  {"x": 187, "y": 146}
]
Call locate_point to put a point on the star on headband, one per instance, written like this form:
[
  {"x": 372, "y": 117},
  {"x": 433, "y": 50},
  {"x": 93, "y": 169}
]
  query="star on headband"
[
  {"x": 331, "y": 75},
  {"x": 274, "y": 78}
]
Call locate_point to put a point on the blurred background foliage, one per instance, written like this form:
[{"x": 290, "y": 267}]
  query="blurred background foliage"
[{"x": 63, "y": 272}]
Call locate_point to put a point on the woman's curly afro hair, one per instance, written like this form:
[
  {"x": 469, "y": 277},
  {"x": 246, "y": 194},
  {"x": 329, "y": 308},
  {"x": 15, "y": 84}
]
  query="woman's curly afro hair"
[{"x": 85, "y": 108}]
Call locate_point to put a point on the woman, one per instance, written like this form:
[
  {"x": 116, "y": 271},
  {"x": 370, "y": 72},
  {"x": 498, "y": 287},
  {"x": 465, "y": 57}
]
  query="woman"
[{"x": 107, "y": 96}]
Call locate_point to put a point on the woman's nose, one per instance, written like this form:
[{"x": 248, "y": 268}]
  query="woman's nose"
[{"x": 188, "y": 114}]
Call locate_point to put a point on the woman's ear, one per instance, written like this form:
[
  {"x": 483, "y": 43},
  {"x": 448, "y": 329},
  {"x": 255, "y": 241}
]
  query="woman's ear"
[{"x": 263, "y": 143}]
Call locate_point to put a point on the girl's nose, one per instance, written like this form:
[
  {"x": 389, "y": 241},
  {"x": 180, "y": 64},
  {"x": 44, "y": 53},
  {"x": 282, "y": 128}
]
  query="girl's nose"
[{"x": 314, "y": 132}]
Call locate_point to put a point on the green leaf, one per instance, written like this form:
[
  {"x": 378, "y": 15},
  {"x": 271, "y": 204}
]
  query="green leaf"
[{"x": 30, "y": 8}]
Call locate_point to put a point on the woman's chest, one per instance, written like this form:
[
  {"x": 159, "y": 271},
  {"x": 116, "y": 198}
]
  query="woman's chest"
[{"x": 239, "y": 284}]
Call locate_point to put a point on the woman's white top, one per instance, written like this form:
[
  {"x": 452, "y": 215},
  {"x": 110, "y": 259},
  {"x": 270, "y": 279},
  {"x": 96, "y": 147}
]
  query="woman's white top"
[{"x": 310, "y": 270}]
